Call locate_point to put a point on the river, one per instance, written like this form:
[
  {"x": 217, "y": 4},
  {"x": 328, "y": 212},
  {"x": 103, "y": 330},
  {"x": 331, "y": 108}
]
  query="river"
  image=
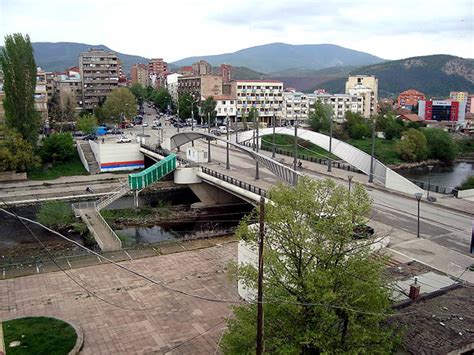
[{"x": 445, "y": 176}]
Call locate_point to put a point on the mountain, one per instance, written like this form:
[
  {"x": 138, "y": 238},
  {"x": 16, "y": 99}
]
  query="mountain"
[
  {"x": 275, "y": 57},
  {"x": 434, "y": 75},
  {"x": 61, "y": 55},
  {"x": 241, "y": 73}
]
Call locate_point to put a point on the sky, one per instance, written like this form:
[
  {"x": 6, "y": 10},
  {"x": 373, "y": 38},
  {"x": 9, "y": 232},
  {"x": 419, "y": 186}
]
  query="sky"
[{"x": 181, "y": 28}]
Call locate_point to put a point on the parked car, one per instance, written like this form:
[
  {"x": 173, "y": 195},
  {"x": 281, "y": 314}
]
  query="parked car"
[
  {"x": 123, "y": 139},
  {"x": 90, "y": 137},
  {"x": 178, "y": 124},
  {"x": 78, "y": 134},
  {"x": 115, "y": 131},
  {"x": 155, "y": 127},
  {"x": 144, "y": 124},
  {"x": 215, "y": 132}
]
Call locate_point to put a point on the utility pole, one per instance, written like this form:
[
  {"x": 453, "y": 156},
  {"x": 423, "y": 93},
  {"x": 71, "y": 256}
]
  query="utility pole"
[
  {"x": 192, "y": 119},
  {"x": 209, "y": 139},
  {"x": 330, "y": 144},
  {"x": 260, "y": 344},
  {"x": 227, "y": 164},
  {"x": 295, "y": 176},
  {"x": 273, "y": 146},
  {"x": 255, "y": 146},
  {"x": 372, "y": 156}
]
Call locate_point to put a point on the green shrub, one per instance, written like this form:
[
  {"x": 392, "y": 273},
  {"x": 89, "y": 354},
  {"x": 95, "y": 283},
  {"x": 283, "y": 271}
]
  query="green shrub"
[
  {"x": 440, "y": 144},
  {"x": 56, "y": 215},
  {"x": 413, "y": 146},
  {"x": 467, "y": 184},
  {"x": 57, "y": 147}
]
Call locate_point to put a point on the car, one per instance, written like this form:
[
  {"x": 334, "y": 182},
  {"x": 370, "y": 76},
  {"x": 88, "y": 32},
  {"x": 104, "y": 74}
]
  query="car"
[
  {"x": 144, "y": 124},
  {"x": 90, "y": 137},
  {"x": 123, "y": 139},
  {"x": 178, "y": 124},
  {"x": 216, "y": 132},
  {"x": 155, "y": 127},
  {"x": 115, "y": 131},
  {"x": 78, "y": 134}
]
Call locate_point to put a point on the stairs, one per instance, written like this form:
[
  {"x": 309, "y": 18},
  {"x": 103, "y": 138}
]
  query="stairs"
[
  {"x": 115, "y": 195},
  {"x": 90, "y": 158}
]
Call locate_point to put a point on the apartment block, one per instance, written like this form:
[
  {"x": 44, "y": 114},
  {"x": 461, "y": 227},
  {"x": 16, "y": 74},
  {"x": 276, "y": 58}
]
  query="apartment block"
[
  {"x": 139, "y": 73},
  {"x": 226, "y": 73},
  {"x": 266, "y": 96},
  {"x": 202, "y": 68},
  {"x": 49, "y": 84},
  {"x": 226, "y": 106},
  {"x": 41, "y": 94},
  {"x": 99, "y": 71},
  {"x": 298, "y": 105},
  {"x": 172, "y": 85},
  {"x": 201, "y": 86},
  {"x": 409, "y": 98},
  {"x": 366, "y": 86},
  {"x": 69, "y": 82},
  {"x": 158, "y": 67}
]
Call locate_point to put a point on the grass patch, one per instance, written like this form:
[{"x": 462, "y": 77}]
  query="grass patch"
[
  {"x": 69, "y": 168},
  {"x": 39, "y": 335},
  {"x": 286, "y": 144},
  {"x": 467, "y": 184},
  {"x": 384, "y": 149}
]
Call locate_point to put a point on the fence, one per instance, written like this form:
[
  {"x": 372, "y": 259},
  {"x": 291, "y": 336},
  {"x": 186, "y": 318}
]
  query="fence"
[
  {"x": 152, "y": 174},
  {"x": 242, "y": 184}
]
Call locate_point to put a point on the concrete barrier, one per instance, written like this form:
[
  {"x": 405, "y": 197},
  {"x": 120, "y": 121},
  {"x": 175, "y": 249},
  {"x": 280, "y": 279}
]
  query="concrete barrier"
[
  {"x": 465, "y": 193},
  {"x": 9, "y": 176}
]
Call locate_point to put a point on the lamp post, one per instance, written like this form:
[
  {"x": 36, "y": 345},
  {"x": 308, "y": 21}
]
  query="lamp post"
[
  {"x": 418, "y": 196},
  {"x": 330, "y": 145},
  {"x": 227, "y": 164},
  {"x": 430, "y": 167},
  {"x": 255, "y": 146},
  {"x": 372, "y": 155},
  {"x": 192, "y": 118},
  {"x": 209, "y": 140},
  {"x": 295, "y": 175},
  {"x": 273, "y": 144},
  {"x": 349, "y": 177}
]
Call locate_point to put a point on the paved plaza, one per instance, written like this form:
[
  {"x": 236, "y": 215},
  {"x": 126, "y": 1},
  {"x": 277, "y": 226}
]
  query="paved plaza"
[{"x": 147, "y": 318}]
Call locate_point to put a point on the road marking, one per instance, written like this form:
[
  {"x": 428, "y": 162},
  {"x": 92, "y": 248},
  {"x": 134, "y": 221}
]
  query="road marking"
[
  {"x": 128, "y": 254},
  {"x": 68, "y": 263},
  {"x": 100, "y": 260}
]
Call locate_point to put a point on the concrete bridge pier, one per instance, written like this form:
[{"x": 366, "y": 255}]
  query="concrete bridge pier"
[{"x": 209, "y": 195}]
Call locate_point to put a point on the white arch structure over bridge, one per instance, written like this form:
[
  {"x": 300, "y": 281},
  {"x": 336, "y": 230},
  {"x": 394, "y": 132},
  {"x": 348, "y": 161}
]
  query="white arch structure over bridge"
[
  {"x": 350, "y": 154},
  {"x": 285, "y": 173}
]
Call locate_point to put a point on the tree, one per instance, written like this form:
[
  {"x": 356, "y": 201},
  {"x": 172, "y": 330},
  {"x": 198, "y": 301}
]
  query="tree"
[
  {"x": 357, "y": 125},
  {"x": 87, "y": 124},
  {"x": 391, "y": 127},
  {"x": 320, "y": 119},
  {"x": 208, "y": 107},
  {"x": 413, "y": 146},
  {"x": 63, "y": 108},
  {"x": 120, "y": 102},
  {"x": 16, "y": 153},
  {"x": 57, "y": 147},
  {"x": 56, "y": 215},
  {"x": 162, "y": 99},
  {"x": 440, "y": 144},
  {"x": 184, "y": 104},
  {"x": 322, "y": 291},
  {"x": 19, "y": 83},
  {"x": 139, "y": 91}
]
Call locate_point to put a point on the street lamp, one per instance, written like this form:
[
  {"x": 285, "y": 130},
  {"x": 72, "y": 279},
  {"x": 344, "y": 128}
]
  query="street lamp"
[
  {"x": 349, "y": 177},
  {"x": 330, "y": 144},
  {"x": 430, "y": 167},
  {"x": 255, "y": 146},
  {"x": 418, "y": 196},
  {"x": 273, "y": 145},
  {"x": 372, "y": 156},
  {"x": 209, "y": 139},
  {"x": 227, "y": 164}
]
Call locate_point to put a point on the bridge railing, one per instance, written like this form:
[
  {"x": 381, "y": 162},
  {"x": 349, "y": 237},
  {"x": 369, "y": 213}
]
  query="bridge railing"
[
  {"x": 236, "y": 182},
  {"x": 152, "y": 174},
  {"x": 164, "y": 152}
]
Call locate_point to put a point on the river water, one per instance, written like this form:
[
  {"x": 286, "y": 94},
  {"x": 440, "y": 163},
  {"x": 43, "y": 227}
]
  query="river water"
[{"x": 445, "y": 176}]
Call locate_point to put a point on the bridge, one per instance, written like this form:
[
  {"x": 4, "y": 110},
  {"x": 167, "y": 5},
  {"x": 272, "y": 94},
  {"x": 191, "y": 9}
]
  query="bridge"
[{"x": 350, "y": 154}]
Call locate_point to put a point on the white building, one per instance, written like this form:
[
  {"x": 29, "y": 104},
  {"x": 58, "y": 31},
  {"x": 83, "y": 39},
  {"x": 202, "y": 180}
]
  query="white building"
[
  {"x": 366, "y": 86},
  {"x": 265, "y": 95},
  {"x": 226, "y": 105},
  {"x": 172, "y": 85},
  {"x": 70, "y": 82},
  {"x": 298, "y": 105}
]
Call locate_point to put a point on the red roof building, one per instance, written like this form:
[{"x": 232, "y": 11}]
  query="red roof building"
[{"x": 410, "y": 98}]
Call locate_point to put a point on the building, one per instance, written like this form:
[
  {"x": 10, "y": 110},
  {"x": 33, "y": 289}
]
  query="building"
[
  {"x": 41, "y": 94},
  {"x": 49, "y": 84},
  {"x": 158, "y": 67},
  {"x": 470, "y": 104},
  {"x": 226, "y": 105},
  {"x": 99, "y": 71},
  {"x": 460, "y": 96},
  {"x": 69, "y": 82},
  {"x": 266, "y": 96},
  {"x": 201, "y": 86},
  {"x": 409, "y": 98},
  {"x": 442, "y": 110},
  {"x": 226, "y": 73},
  {"x": 298, "y": 105},
  {"x": 172, "y": 85},
  {"x": 202, "y": 68},
  {"x": 139, "y": 73},
  {"x": 366, "y": 86},
  {"x": 186, "y": 70}
]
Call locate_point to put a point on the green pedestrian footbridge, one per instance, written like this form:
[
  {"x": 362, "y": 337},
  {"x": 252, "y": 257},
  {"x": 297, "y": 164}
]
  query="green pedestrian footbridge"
[{"x": 147, "y": 177}]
